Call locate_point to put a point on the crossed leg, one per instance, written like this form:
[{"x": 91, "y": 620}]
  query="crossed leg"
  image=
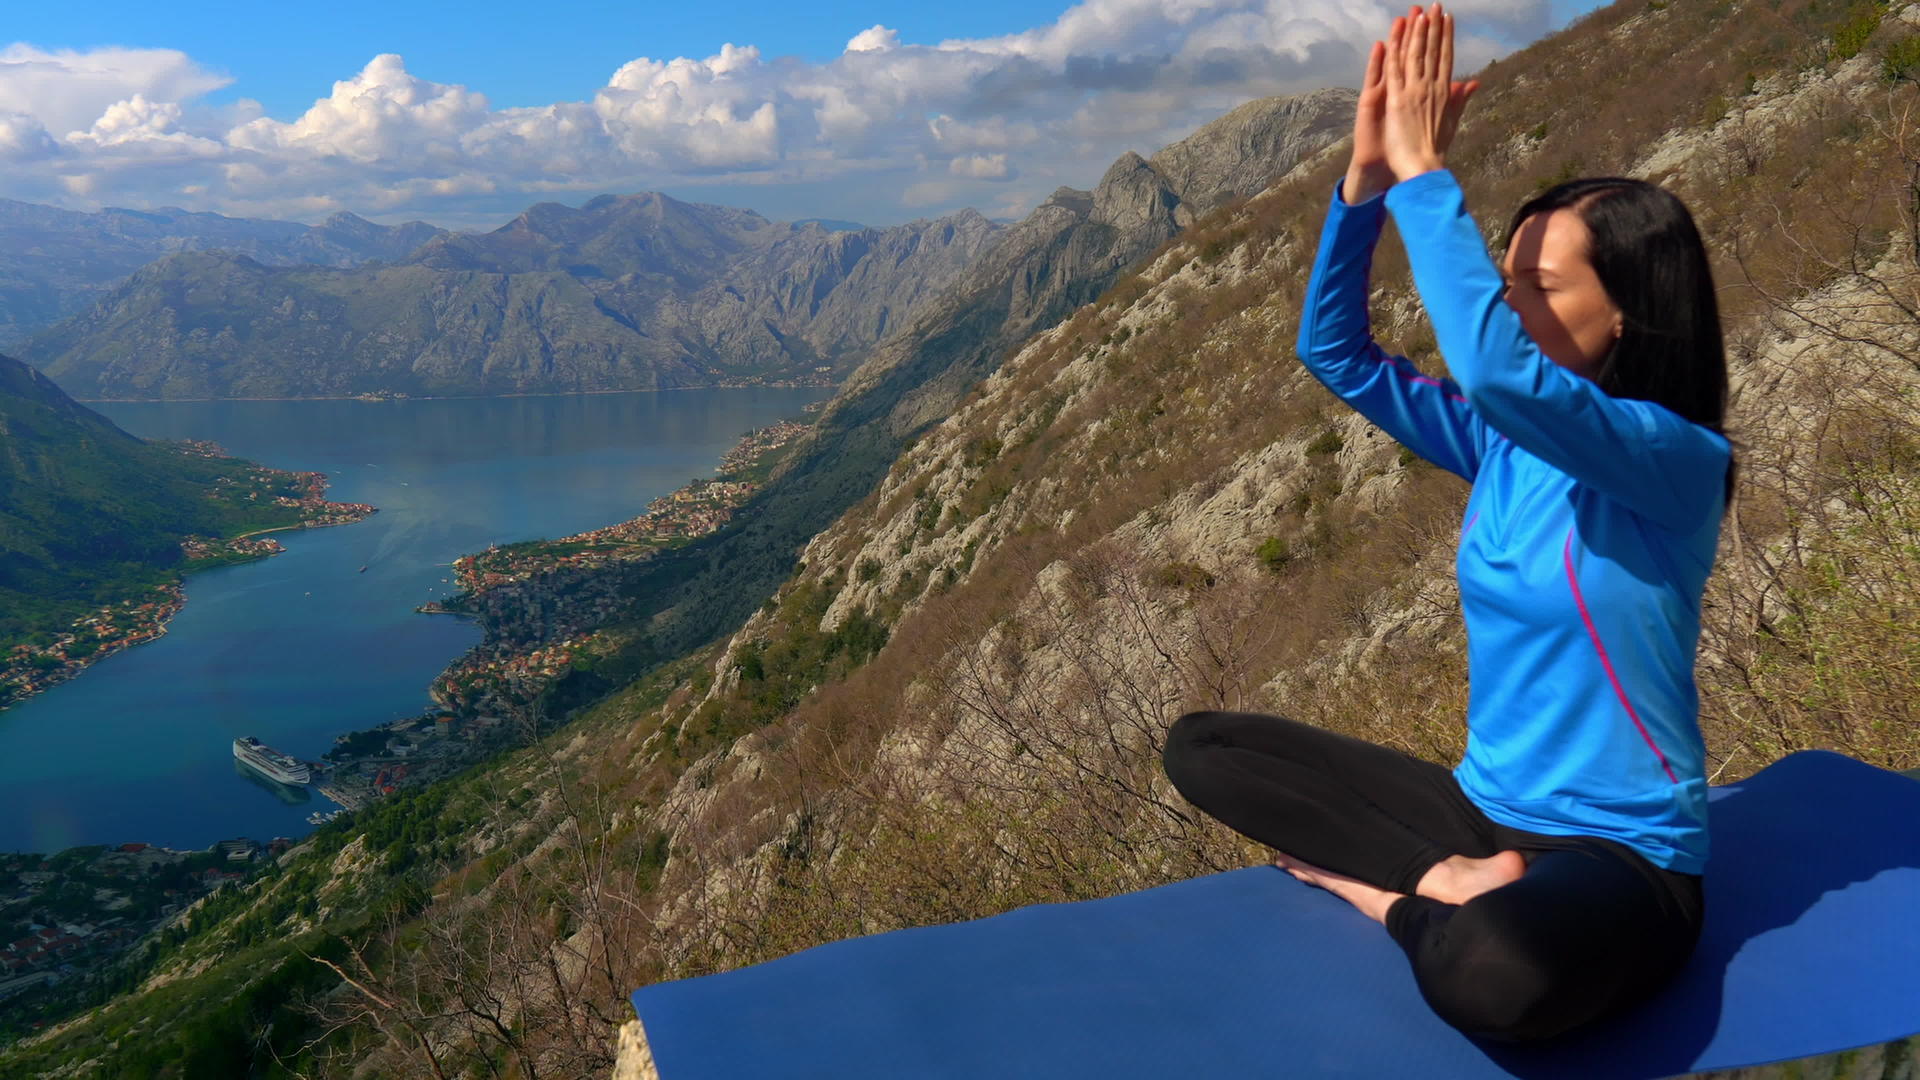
[
  {"x": 1341, "y": 809},
  {"x": 1455, "y": 879},
  {"x": 1504, "y": 945}
]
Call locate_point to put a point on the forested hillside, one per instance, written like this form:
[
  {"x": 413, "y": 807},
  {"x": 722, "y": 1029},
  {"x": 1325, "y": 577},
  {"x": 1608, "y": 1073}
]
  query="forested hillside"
[
  {"x": 954, "y": 704},
  {"x": 90, "y": 515}
]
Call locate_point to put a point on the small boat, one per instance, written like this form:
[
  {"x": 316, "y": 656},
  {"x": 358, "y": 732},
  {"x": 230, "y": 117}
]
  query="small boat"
[{"x": 363, "y": 569}]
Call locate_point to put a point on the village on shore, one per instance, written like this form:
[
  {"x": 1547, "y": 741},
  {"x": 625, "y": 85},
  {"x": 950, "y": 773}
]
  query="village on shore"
[
  {"x": 26, "y": 670},
  {"x": 64, "y": 917},
  {"x": 542, "y": 605}
]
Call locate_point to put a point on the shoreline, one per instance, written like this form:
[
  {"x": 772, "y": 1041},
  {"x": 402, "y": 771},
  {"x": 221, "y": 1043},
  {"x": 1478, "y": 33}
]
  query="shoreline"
[
  {"x": 379, "y": 399},
  {"x": 493, "y": 676},
  {"x": 176, "y": 591},
  {"x": 559, "y": 652},
  {"x": 287, "y": 528}
]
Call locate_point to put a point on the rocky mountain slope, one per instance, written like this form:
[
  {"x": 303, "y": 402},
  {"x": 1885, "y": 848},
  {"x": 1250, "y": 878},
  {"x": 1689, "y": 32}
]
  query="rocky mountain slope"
[
  {"x": 1152, "y": 508},
  {"x": 639, "y": 292},
  {"x": 1068, "y": 251},
  {"x": 953, "y": 704},
  {"x": 55, "y": 263}
]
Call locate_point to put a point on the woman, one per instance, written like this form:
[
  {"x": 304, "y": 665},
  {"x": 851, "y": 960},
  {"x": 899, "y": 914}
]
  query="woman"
[{"x": 1553, "y": 877}]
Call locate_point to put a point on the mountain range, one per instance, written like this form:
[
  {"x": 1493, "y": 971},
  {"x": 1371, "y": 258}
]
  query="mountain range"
[
  {"x": 55, "y": 263},
  {"x": 634, "y": 292},
  {"x": 1068, "y": 252}
]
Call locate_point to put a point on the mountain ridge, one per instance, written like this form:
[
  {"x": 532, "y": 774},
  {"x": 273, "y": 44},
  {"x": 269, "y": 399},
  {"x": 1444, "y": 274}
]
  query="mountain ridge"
[
  {"x": 634, "y": 292},
  {"x": 55, "y": 263}
]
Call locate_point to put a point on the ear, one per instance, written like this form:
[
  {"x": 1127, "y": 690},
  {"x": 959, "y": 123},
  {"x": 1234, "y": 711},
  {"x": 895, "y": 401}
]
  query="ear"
[{"x": 1619, "y": 327}]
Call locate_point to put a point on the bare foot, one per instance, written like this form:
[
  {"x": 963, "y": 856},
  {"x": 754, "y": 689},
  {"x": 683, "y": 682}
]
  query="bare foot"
[
  {"x": 1371, "y": 901},
  {"x": 1458, "y": 879}
]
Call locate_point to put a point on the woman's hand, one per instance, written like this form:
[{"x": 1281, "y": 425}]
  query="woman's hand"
[
  {"x": 1368, "y": 174},
  {"x": 1422, "y": 103}
]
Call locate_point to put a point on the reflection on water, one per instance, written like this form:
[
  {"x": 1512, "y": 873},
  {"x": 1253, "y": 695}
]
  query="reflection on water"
[
  {"x": 305, "y": 646},
  {"x": 291, "y": 794}
]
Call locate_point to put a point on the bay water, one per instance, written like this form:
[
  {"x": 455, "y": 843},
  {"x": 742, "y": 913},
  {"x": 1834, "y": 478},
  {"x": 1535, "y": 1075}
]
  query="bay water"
[{"x": 304, "y": 646}]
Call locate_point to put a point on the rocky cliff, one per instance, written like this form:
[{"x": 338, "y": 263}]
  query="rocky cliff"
[
  {"x": 1150, "y": 507},
  {"x": 1067, "y": 252}
]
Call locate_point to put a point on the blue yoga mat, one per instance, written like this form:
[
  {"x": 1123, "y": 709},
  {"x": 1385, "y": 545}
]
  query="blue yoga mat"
[{"x": 1811, "y": 944}]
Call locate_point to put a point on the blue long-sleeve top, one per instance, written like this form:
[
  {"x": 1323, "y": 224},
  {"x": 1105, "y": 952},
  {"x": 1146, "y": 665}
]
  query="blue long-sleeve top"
[{"x": 1588, "y": 539}]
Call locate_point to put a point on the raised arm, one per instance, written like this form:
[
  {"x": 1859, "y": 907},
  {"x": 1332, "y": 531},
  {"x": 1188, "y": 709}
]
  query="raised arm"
[
  {"x": 1430, "y": 416},
  {"x": 1644, "y": 455}
]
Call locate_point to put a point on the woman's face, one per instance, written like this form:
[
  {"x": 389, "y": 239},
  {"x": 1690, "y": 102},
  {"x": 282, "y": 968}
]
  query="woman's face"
[{"x": 1559, "y": 298}]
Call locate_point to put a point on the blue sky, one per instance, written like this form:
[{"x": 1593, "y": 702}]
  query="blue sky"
[
  {"x": 463, "y": 114},
  {"x": 286, "y": 56}
]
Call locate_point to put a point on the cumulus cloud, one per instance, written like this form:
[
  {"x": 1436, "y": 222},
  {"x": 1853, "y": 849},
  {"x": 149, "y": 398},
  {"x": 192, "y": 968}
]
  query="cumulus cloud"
[
  {"x": 981, "y": 167},
  {"x": 23, "y": 138},
  {"x": 875, "y": 37},
  {"x": 66, "y": 90},
  {"x": 883, "y": 129}
]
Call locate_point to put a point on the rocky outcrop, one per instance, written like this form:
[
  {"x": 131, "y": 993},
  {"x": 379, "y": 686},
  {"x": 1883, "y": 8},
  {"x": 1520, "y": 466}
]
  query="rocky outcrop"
[
  {"x": 1224, "y": 159},
  {"x": 636, "y": 1059}
]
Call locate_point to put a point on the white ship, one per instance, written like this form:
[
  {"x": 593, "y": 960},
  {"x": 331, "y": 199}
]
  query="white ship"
[{"x": 269, "y": 762}]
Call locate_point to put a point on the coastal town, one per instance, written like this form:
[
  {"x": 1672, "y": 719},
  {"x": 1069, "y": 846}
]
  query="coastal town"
[
  {"x": 66, "y": 917},
  {"x": 543, "y": 602},
  {"x": 543, "y": 605},
  {"x": 27, "y": 668},
  {"x": 698, "y": 508}
]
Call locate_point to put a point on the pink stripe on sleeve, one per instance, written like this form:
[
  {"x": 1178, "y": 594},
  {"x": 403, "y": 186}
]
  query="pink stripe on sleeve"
[
  {"x": 1566, "y": 555},
  {"x": 1386, "y": 357}
]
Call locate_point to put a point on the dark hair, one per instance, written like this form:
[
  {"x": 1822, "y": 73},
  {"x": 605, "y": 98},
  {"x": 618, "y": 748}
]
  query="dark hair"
[{"x": 1650, "y": 260}]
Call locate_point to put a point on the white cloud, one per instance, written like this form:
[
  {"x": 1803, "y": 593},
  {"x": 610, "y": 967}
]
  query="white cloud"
[
  {"x": 981, "y": 167},
  {"x": 379, "y": 116},
  {"x": 860, "y": 135},
  {"x": 693, "y": 115},
  {"x": 67, "y": 90},
  {"x": 145, "y": 127},
  {"x": 23, "y": 138},
  {"x": 875, "y": 37}
]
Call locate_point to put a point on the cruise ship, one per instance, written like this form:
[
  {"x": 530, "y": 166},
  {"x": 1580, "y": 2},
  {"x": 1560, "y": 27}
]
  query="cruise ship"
[{"x": 269, "y": 762}]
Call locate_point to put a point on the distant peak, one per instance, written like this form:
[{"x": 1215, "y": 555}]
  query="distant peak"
[{"x": 829, "y": 224}]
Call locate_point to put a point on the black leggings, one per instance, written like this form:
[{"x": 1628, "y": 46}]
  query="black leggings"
[{"x": 1591, "y": 928}]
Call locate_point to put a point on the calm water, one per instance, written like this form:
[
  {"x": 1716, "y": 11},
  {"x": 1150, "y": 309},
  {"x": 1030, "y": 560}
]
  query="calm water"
[{"x": 301, "y": 647}]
